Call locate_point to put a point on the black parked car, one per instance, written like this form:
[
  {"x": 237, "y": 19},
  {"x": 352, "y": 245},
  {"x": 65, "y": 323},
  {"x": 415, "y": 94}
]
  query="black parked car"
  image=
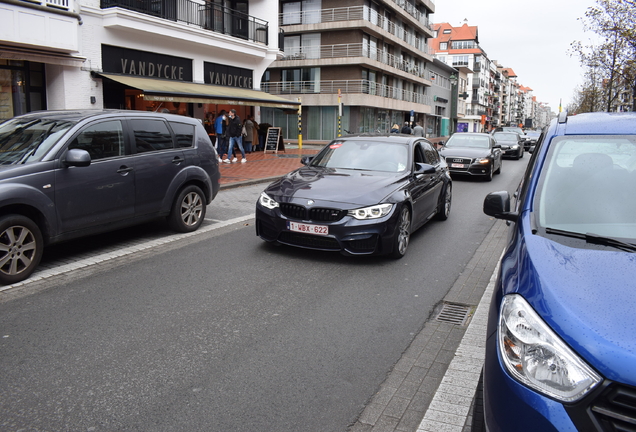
[
  {"x": 511, "y": 144},
  {"x": 67, "y": 174},
  {"x": 360, "y": 195},
  {"x": 473, "y": 154}
]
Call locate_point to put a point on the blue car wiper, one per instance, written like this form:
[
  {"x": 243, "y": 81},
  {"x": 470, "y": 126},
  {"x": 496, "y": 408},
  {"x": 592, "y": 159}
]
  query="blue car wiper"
[{"x": 595, "y": 239}]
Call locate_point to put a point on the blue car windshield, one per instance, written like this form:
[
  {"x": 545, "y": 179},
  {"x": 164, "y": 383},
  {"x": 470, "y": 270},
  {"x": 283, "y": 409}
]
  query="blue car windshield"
[
  {"x": 25, "y": 140},
  {"x": 363, "y": 155},
  {"x": 588, "y": 185}
]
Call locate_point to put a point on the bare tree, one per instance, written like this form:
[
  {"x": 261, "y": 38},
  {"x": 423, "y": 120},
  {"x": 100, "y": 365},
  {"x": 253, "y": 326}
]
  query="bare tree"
[{"x": 613, "y": 59}]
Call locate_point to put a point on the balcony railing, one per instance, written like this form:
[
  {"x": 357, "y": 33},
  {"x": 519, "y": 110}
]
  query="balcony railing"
[
  {"x": 345, "y": 87},
  {"x": 209, "y": 16},
  {"x": 55, "y": 4},
  {"x": 354, "y": 50},
  {"x": 353, "y": 13}
]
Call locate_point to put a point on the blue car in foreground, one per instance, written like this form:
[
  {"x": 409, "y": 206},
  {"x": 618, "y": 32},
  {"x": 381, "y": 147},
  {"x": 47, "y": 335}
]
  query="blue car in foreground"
[{"x": 561, "y": 340}]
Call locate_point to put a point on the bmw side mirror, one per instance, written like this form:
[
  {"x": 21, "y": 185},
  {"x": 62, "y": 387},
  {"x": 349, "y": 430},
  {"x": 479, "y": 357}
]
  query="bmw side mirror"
[
  {"x": 497, "y": 204},
  {"x": 423, "y": 168},
  {"x": 306, "y": 160},
  {"x": 77, "y": 157}
]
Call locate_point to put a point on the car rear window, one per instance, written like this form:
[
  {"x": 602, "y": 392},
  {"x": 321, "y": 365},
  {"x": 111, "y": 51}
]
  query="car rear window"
[
  {"x": 151, "y": 135},
  {"x": 184, "y": 134}
]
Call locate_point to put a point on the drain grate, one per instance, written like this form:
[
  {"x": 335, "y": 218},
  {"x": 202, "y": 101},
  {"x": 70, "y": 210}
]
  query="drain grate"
[{"x": 453, "y": 314}]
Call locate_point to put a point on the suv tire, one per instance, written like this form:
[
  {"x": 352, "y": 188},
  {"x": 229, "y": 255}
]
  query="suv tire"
[
  {"x": 188, "y": 210},
  {"x": 21, "y": 247}
]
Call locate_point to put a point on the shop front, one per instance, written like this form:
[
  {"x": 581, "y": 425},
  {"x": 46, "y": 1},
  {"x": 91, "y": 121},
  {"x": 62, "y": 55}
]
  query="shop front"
[
  {"x": 22, "y": 87},
  {"x": 146, "y": 81}
]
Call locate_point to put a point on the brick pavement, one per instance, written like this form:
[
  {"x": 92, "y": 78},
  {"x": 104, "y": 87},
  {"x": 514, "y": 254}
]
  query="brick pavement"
[{"x": 260, "y": 165}]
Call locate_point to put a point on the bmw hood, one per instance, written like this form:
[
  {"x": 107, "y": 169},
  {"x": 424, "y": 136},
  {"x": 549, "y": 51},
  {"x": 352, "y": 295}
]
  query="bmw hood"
[
  {"x": 345, "y": 186},
  {"x": 466, "y": 152},
  {"x": 588, "y": 297}
]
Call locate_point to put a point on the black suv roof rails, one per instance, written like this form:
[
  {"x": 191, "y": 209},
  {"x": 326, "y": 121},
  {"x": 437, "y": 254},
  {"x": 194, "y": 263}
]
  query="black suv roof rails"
[{"x": 563, "y": 117}]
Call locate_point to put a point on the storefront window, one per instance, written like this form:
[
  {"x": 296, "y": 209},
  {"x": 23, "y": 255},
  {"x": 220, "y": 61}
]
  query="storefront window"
[{"x": 21, "y": 88}]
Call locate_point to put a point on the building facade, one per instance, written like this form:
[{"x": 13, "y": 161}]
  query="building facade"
[
  {"x": 356, "y": 65},
  {"x": 188, "y": 57}
]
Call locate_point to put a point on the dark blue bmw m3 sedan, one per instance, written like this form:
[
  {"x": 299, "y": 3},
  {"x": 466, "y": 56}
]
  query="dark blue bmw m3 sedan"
[{"x": 360, "y": 195}]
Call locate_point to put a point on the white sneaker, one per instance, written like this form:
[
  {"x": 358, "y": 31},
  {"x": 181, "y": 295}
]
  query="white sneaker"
[
  {"x": 226, "y": 160},
  {"x": 220, "y": 160},
  {"x": 234, "y": 160},
  {"x": 243, "y": 160}
]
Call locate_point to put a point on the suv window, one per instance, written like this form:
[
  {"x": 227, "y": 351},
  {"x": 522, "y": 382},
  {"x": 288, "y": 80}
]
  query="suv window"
[
  {"x": 101, "y": 140},
  {"x": 151, "y": 135},
  {"x": 184, "y": 134}
]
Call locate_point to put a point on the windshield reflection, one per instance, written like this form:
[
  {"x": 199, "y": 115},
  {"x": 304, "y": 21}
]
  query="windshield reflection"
[
  {"x": 363, "y": 155},
  {"x": 25, "y": 140},
  {"x": 589, "y": 186}
]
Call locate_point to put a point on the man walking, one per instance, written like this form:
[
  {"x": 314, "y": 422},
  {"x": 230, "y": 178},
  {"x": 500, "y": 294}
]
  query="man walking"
[
  {"x": 418, "y": 130},
  {"x": 406, "y": 129},
  {"x": 234, "y": 129},
  {"x": 220, "y": 129}
]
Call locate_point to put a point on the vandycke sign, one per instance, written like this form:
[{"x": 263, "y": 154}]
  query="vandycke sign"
[
  {"x": 227, "y": 76},
  {"x": 141, "y": 63}
]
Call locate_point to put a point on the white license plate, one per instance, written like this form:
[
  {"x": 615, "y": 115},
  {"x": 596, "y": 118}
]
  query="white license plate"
[
  {"x": 308, "y": 228},
  {"x": 457, "y": 165}
]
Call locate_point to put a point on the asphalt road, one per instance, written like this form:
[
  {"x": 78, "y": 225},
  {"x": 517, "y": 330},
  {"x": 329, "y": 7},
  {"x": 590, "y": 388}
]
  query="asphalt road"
[{"x": 222, "y": 332}]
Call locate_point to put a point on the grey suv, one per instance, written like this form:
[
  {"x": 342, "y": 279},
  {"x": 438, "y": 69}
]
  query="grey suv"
[{"x": 67, "y": 174}]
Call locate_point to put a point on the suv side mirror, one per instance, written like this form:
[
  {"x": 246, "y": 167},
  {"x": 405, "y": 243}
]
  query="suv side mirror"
[
  {"x": 305, "y": 160},
  {"x": 497, "y": 204},
  {"x": 77, "y": 157}
]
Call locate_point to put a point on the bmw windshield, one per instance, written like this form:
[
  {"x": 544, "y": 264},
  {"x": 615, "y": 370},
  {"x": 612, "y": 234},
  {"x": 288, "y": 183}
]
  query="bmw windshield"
[
  {"x": 27, "y": 139},
  {"x": 363, "y": 155},
  {"x": 588, "y": 187}
]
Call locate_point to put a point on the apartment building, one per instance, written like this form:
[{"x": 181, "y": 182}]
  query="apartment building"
[
  {"x": 459, "y": 47},
  {"x": 355, "y": 65},
  {"x": 190, "y": 57}
]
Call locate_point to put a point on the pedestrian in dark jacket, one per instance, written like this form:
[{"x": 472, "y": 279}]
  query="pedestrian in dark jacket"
[
  {"x": 406, "y": 129},
  {"x": 234, "y": 129}
]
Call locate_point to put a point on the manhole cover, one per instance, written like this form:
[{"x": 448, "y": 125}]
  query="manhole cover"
[{"x": 453, "y": 314}]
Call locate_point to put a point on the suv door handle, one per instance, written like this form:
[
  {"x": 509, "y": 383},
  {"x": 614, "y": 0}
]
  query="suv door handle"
[
  {"x": 177, "y": 160},
  {"x": 124, "y": 170}
]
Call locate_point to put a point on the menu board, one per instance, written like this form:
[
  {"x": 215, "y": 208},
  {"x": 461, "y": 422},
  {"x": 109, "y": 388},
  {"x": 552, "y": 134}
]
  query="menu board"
[{"x": 274, "y": 140}]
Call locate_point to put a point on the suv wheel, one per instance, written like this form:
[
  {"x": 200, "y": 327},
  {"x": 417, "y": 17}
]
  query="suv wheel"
[
  {"x": 21, "y": 247},
  {"x": 188, "y": 210}
]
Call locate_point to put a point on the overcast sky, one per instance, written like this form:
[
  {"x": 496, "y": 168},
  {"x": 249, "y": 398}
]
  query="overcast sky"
[{"x": 531, "y": 37}]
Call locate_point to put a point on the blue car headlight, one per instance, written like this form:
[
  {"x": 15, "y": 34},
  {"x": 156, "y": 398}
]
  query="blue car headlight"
[
  {"x": 266, "y": 201},
  {"x": 537, "y": 357},
  {"x": 373, "y": 212}
]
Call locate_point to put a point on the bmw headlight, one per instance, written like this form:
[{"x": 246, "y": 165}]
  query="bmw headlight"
[
  {"x": 537, "y": 357},
  {"x": 373, "y": 212},
  {"x": 266, "y": 201}
]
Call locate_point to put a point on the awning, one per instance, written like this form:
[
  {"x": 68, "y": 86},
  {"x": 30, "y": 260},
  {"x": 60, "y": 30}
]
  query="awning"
[
  {"x": 40, "y": 56},
  {"x": 179, "y": 91}
]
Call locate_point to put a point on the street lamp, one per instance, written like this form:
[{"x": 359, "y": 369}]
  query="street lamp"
[{"x": 453, "y": 114}]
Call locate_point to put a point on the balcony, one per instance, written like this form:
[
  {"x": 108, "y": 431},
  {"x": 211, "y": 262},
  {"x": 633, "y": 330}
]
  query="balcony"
[
  {"x": 345, "y": 87},
  {"x": 48, "y": 24},
  {"x": 353, "y": 13},
  {"x": 354, "y": 50},
  {"x": 55, "y": 4},
  {"x": 209, "y": 16}
]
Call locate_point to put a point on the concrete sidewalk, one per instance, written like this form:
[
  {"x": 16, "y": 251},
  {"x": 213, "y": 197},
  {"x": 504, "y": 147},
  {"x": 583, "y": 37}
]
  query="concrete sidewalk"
[{"x": 432, "y": 386}]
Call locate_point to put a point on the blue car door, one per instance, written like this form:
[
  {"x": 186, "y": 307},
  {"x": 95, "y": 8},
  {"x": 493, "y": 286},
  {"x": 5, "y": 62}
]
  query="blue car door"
[{"x": 104, "y": 191}]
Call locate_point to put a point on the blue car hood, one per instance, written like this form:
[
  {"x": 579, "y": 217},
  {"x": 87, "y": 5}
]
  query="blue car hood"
[
  {"x": 355, "y": 187},
  {"x": 588, "y": 297}
]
